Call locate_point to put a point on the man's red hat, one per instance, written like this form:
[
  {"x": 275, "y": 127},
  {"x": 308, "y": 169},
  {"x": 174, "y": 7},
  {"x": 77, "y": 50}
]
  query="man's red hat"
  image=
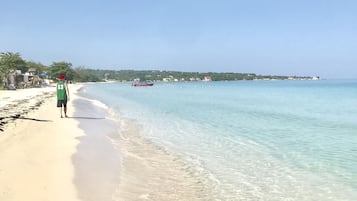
[{"x": 61, "y": 77}]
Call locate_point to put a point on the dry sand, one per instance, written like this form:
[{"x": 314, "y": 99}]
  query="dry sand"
[{"x": 36, "y": 146}]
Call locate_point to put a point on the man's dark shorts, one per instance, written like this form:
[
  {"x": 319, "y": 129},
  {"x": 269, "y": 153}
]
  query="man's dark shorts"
[{"x": 62, "y": 102}]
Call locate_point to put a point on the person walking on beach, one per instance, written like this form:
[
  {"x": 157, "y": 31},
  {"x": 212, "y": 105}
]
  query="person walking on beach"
[{"x": 62, "y": 95}]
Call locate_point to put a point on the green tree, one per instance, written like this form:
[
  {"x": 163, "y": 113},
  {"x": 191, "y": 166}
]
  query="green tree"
[
  {"x": 12, "y": 61},
  {"x": 64, "y": 68},
  {"x": 88, "y": 75},
  {"x": 37, "y": 67},
  {"x": 9, "y": 62}
]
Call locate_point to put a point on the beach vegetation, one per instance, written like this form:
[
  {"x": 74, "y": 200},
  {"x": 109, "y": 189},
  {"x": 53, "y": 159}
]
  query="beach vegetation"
[
  {"x": 64, "y": 68},
  {"x": 82, "y": 74},
  {"x": 10, "y": 62},
  {"x": 36, "y": 67}
]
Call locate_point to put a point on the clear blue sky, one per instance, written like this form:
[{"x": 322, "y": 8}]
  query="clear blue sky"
[{"x": 280, "y": 37}]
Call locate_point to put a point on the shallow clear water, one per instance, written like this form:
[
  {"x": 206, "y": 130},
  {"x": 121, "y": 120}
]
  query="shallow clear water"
[{"x": 251, "y": 140}]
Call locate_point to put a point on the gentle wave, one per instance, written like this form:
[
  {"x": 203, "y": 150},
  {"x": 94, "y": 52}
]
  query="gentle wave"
[{"x": 250, "y": 140}]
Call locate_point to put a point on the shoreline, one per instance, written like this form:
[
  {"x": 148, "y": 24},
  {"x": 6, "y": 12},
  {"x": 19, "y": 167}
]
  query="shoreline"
[
  {"x": 151, "y": 173},
  {"x": 147, "y": 172},
  {"x": 88, "y": 156},
  {"x": 95, "y": 155},
  {"x": 97, "y": 163}
]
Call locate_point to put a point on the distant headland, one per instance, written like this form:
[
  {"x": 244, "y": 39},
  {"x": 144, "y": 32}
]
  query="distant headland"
[
  {"x": 16, "y": 72},
  {"x": 178, "y": 76}
]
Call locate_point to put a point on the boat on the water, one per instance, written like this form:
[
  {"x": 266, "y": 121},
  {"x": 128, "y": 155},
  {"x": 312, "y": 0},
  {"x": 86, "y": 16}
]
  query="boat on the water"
[{"x": 142, "y": 84}]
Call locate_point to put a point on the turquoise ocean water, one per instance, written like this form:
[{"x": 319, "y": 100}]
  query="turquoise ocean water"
[{"x": 251, "y": 140}]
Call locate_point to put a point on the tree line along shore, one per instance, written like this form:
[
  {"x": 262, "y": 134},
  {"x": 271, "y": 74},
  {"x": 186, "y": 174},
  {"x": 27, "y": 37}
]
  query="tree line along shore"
[{"x": 16, "y": 72}]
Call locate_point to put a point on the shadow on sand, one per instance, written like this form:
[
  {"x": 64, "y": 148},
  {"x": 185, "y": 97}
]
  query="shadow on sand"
[
  {"x": 33, "y": 119},
  {"x": 17, "y": 116},
  {"x": 7, "y": 119}
]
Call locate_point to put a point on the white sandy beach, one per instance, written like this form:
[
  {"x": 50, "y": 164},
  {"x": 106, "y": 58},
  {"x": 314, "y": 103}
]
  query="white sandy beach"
[{"x": 36, "y": 149}]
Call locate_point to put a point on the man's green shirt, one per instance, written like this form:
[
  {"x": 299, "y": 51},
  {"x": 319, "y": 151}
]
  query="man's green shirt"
[{"x": 61, "y": 91}]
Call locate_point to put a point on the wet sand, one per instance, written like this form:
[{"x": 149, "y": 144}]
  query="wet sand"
[
  {"x": 139, "y": 170},
  {"x": 97, "y": 162},
  {"x": 151, "y": 173}
]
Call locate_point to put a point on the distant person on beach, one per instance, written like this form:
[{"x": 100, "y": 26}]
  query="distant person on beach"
[{"x": 62, "y": 95}]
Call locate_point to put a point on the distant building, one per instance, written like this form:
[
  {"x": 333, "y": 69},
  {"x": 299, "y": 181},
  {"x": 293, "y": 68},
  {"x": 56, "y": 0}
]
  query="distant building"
[{"x": 207, "y": 78}]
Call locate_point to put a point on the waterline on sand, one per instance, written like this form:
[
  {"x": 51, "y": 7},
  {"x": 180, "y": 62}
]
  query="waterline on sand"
[{"x": 128, "y": 166}]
